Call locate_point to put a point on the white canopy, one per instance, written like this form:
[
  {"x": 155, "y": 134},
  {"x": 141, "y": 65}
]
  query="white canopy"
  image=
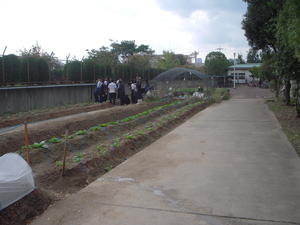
[{"x": 16, "y": 179}]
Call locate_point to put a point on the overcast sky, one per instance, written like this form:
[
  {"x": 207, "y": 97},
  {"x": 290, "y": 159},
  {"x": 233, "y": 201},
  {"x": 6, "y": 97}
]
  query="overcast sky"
[{"x": 72, "y": 26}]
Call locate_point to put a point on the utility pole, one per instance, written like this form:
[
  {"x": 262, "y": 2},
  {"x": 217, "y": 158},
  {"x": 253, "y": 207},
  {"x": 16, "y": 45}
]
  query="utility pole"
[
  {"x": 28, "y": 56},
  {"x": 234, "y": 70},
  {"x": 67, "y": 61},
  {"x": 81, "y": 68},
  {"x": 3, "y": 69},
  {"x": 50, "y": 65}
]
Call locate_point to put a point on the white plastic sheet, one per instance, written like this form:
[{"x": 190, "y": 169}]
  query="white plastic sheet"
[{"x": 16, "y": 179}]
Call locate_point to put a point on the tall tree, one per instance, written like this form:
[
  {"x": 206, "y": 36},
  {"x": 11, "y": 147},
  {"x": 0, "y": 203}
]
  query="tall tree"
[
  {"x": 216, "y": 63},
  {"x": 260, "y": 23},
  {"x": 253, "y": 56},
  {"x": 240, "y": 59},
  {"x": 168, "y": 60},
  {"x": 129, "y": 48}
]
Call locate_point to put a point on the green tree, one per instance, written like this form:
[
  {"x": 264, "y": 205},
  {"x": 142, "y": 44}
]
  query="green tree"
[
  {"x": 216, "y": 63},
  {"x": 253, "y": 56},
  {"x": 240, "y": 59},
  {"x": 129, "y": 48},
  {"x": 168, "y": 60},
  {"x": 260, "y": 23},
  {"x": 140, "y": 62}
]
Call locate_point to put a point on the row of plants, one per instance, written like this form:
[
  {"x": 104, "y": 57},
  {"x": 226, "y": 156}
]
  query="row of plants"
[
  {"x": 103, "y": 149},
  {"x": 149, "y": 127},
  {"x": 217, "y": 95},
  {"x": 53, "y": 140}
]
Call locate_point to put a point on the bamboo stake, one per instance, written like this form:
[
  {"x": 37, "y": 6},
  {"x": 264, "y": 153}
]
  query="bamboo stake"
[
  {"x": 65, "y": 153},
  {"x": 26, "y": 140}
]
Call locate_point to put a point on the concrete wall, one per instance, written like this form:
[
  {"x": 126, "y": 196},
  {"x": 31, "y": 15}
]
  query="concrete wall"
[{"x": 20, "y": 99}]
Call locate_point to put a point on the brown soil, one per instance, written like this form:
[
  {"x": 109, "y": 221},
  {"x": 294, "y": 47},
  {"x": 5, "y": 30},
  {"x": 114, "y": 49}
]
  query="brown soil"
[
  {"x": 95, "y": 163},
  {"x": 50, "y": 113},
  {"x": 13, "y": 141},
  {"x": 21, "y": 211}
]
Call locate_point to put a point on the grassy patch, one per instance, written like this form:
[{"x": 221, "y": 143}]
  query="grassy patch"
[{"x": 287, "y": 116}]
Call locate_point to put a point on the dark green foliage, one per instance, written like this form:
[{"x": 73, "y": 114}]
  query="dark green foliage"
[{"x": 216, "y": 63}]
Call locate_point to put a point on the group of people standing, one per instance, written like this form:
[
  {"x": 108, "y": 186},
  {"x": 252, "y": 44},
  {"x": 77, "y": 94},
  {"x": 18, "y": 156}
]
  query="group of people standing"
[{"x": 112, "y": 90}]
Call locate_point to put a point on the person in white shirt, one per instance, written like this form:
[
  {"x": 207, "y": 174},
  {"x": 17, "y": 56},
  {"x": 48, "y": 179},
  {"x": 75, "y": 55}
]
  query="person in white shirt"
[
  {"x": 133, "y": 92},
  {"x": 112, "y": 91},
  {"x": 97, "y": 90}
]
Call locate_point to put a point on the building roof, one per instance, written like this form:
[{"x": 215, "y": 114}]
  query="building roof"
[{"x": 245, "y": 66}]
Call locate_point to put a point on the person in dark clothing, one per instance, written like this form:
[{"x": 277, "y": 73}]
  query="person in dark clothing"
[
  {"x": 139, "y": 89},
  {"x": 102, "y": 92},
  {"x": 121, "y": 92}
]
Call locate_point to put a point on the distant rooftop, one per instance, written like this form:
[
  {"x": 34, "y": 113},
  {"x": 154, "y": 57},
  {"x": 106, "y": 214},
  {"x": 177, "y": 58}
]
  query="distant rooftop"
[{"x": 245, "y": 66}]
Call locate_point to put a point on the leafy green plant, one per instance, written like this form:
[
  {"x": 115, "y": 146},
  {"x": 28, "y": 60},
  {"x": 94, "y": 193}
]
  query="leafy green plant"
[
  {"x": 140, "y": 132},
  {"x": 59, "y": 163},
  {"x": 130, "y": 137},
  {"x": 103, "y": 125},
  {"x": 81, "y": 132},
  {"x": 78, "y": 157},
  {"x": 54, "y": 140},
  {"x": 116, "y": 143},
  {"x": 113, "y": 123},
  {"x": 102, "y": 149},
  {"x": 94, "y": 128},
  {"x": 108, "y": 168}
]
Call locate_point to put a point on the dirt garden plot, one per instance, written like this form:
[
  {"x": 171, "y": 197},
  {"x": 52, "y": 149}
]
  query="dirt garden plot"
[
  {"x": 49, "y": 113},
  {"x": 13, "y": 140},
  {"x": 94, "y": 150}
]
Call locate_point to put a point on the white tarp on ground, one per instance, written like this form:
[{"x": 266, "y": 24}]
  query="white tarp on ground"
[{"x": 16, "y": 179}]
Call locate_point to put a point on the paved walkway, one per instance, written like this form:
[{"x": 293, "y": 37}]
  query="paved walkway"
[{"x": 228, "y": 165}]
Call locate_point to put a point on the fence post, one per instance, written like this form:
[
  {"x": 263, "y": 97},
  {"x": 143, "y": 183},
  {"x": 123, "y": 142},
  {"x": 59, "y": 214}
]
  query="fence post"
[
  {"x": 3, "y": 69},
  {"x": 26, "y": 141},
  {"x": 65, "y": 153}
]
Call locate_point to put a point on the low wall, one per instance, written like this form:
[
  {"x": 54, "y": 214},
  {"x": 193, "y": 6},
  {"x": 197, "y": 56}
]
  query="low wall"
[{"x": 20, "y": 99}]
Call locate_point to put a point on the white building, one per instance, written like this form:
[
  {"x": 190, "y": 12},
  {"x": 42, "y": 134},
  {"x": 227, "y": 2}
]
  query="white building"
[{"x": 242, "y": 72}]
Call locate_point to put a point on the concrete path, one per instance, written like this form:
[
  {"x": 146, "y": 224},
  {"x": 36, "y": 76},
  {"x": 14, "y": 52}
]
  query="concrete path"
[{"x": 228, "y": 165}]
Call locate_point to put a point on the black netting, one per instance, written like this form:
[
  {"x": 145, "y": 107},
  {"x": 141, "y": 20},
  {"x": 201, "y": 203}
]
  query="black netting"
[{"x": 181, "y": 74}]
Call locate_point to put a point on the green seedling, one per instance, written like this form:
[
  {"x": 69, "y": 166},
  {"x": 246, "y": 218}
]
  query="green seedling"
[
  {"x": 78, "y": 157},
  {"x": 81, "y": 132},
  {"x": 94, "y": 128},
  {"x": 113, "y": 123},
  {"x": 102, "y": 149},
  {"x": 59, "y": 163},
  {"x": 116, "y": 143},
  {"x": 130, "y": 137},
  {"x": 140, "y": 132},
  {"x": 108, "y": 168},
  {"x": 103, "y": 125},
  {"x": 55, "y": 140}
]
